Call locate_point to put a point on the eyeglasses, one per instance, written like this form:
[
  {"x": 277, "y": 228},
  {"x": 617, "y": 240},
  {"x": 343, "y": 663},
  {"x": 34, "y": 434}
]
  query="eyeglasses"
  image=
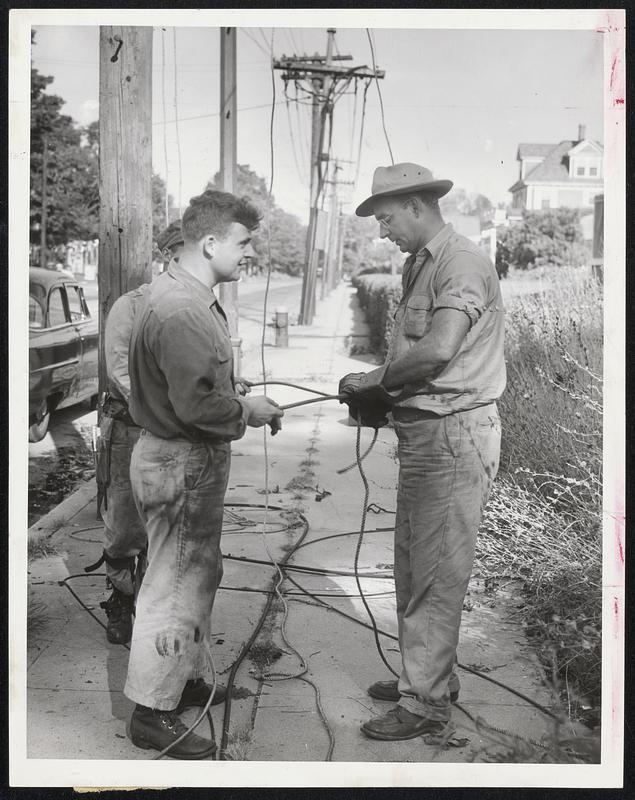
[{"x": 385, "y": 221}]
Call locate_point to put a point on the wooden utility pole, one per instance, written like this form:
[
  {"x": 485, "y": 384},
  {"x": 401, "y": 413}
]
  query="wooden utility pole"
[
  {"x": 43, "y": 212},
  {"x": 125, "y": 167},
  {"x": 228, "y": 169},
  {"x": 321, "y": 74}
]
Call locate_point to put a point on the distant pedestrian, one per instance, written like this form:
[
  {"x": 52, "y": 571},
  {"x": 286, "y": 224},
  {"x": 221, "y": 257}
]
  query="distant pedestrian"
[
  {"x": 183, "y": 395},
  {"x": 124, "y": 534},
  {"x": 446, "y": 357}
]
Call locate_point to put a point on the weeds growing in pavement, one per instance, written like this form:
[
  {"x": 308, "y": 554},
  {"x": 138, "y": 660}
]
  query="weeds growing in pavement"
[
  {"x": 543, "y": 524},
  {"x": 238, "y": 745}
]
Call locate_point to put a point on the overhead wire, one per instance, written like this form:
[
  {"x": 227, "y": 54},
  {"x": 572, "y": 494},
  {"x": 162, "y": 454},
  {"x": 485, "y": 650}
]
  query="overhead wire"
[
  {"x": 254, "y": 40},
  {"x": 381, "y": 102},
  {"x": 165, "y": 140},
  {"x": 176, "y": 125}
]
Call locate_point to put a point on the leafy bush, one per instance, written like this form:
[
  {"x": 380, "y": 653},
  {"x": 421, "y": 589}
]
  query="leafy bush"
[
  {"x": 543, "y": 523},
  {"x": 379, "y": 296},
  {"x": 550, "y": 237}
]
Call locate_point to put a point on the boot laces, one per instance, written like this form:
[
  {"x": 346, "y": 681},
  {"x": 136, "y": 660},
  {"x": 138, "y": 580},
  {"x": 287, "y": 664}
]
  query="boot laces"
[{"x": 172, "y": 722}]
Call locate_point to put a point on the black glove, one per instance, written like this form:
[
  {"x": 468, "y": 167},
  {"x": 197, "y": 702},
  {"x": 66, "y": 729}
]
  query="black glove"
[{"x": 350, "y": 383}]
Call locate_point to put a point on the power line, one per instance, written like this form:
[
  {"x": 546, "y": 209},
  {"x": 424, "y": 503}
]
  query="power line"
[
  {"x": 381, "y": 102},
  {"x": 165, "y": 128},
  {"x": 361, "y": 134},
  {"x": 217, "y": 113},
  {"x": 176, "y": 123},
  {"x": 255, "y": 41}
]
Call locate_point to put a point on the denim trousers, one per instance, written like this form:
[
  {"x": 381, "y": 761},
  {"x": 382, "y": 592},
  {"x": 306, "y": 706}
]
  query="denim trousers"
[
  {"x": 124, "y": 534},
  {"x": 179, "y": 488},
  {"x": 446, "y": 469}
]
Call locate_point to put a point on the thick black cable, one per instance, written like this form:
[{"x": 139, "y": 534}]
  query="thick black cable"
[
  {"x": 381, "y": 102},
  {"x": 360, "y": 541},
  {"x": 247, "y": 646}
]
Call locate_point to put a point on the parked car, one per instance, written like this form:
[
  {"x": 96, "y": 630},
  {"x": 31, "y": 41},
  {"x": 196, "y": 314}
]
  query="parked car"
[{"x": 63, "y": 347}]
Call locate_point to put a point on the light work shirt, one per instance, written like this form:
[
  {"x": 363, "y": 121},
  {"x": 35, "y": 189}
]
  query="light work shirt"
[
  {"x": 181, "y": 363},
  {"x": 453, "y": 272},
  {"x": 117, "y": 335}
]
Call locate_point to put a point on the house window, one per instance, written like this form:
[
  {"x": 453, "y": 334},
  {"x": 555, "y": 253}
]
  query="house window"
[
  {"x": 579, "y": 171},
  {"x": 593, "y": 170},
  {"x": 546, "y": 203}
]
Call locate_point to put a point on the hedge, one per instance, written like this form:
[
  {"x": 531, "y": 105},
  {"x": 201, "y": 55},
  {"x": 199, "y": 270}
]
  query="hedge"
[{"x": 378, "y": 297}]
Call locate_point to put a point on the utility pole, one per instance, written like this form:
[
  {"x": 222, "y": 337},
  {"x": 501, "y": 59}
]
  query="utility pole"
[
  {"x": 321, "y": 76},
  {"x": 43, "y": 212},
  {"x": 125, "y": 167},
  {"x": 329, "y": 279},
  {"x": 228, "y": 169}
]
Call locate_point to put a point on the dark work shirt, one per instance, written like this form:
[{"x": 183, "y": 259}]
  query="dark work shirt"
[{"x": 181, "y": 363}]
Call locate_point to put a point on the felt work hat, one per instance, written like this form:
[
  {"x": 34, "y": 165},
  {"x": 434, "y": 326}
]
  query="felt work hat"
[
  {"x": 402, "y": 179},
  {"x": 171, "y": 236}
]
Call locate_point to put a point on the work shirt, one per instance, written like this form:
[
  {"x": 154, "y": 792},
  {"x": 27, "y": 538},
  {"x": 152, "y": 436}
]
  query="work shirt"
[
  {"x": 181, "y": 363},
  {"x": 453, "y": 272},
  {"x": 117, "y": 341}
]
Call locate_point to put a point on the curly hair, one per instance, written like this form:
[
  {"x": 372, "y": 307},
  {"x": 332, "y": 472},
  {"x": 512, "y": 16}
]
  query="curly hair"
[{"x": 213, "y": 213}]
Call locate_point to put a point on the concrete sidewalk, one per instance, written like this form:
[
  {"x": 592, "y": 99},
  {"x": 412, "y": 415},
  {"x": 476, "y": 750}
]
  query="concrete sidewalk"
[{"x": 76, "y": 708}]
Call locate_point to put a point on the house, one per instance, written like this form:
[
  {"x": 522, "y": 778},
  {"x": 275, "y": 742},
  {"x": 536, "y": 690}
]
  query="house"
[{"x": 555, "y": 175}]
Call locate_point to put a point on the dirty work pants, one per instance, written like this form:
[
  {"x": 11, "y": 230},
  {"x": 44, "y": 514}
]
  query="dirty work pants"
[
  {"x": 446, "y": 468},
  {"x": 179, "y": 488},
  {"x": 124, "y": 534}
]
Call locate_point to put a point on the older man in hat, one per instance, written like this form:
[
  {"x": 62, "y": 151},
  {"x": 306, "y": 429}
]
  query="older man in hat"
[
  {"x": 124, "y": 535},
  {"x": 446, "y": 368}
]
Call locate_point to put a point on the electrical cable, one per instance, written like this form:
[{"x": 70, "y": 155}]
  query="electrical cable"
[
  {"x": 165, "y": 141},
  {"x": 176, "y": 125},
  {"x": 256, "y": 42},
  {"x": 361, "y": 135},
  {"x": 381, "y": 102},
  {"x": 360, "y": 541}
]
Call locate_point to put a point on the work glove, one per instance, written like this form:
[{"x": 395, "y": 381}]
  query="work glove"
[
  {"x": 356, "y": 382},
  {"x": 367, "y": 400}
]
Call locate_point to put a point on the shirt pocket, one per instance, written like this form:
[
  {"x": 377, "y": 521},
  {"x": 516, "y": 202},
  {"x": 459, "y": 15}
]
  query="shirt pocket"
[
  {"x": 223, "y": 351},
  {"x": 417, "y": 315}
]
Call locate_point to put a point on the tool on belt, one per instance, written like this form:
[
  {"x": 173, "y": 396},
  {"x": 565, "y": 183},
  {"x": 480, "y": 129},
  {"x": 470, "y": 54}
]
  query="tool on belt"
[{"x": 111, "y": 409}]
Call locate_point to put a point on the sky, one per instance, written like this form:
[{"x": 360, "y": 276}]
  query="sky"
[{"x": 457, "y": 101}]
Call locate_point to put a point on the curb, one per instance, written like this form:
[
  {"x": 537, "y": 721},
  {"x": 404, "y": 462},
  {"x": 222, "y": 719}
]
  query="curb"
[{"x": 50, "y": 523}]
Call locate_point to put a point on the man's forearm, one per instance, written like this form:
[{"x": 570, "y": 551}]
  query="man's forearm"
[{"x": 421, "y": 363}]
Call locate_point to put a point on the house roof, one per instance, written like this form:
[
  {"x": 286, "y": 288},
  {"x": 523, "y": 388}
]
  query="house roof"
[
  {"x": 553, "y": 168},
  {"x": 534, "y": 150}
]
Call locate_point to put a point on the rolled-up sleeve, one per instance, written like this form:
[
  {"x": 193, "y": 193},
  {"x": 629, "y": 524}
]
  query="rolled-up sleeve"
[
  {"x": 192, "y": 369},
  {"x": 463, "y": 285},
  {"x": 116, "y": 343}
]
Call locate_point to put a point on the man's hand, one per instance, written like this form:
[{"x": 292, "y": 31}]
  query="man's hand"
[
  {"x": 350, "y": 383},
  {"x": 243, "y": 386},
  {"x": 262, "y": 410}
]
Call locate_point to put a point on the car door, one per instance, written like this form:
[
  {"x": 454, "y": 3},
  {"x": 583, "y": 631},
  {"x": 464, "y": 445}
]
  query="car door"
[
  {"x": 87, "y": 330},
  {"x": 54, "y": 352}
]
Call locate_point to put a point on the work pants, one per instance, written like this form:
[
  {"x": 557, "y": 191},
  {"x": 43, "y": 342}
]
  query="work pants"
[
  {"x": 446, "y": 469},
  {"x": 124, "y": 534},
  {"x": 179, "y": 488}
]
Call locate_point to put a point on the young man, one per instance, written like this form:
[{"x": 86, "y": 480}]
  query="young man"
[
  {"x": 124, "y": 534},
  {"x": 183, "y": 397},
  {"x": 446, "y": 357}
]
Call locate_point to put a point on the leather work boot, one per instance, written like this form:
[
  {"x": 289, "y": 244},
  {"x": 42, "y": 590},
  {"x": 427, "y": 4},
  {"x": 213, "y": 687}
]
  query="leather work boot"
[
  {"x": 197, "y": 692},
  {"x": 152, "y": 729},
  {"x": 400, "y": 724},
  {"x": 118, "y": 609},
  {"x": 387, "y": 690}
]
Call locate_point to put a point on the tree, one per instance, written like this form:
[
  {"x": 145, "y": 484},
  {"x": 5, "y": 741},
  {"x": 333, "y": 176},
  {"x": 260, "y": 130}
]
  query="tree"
[
  {"x": 549, "y": 237},
  {"x": 72, "y": 170},
  {"x": 279, "y": 230}
]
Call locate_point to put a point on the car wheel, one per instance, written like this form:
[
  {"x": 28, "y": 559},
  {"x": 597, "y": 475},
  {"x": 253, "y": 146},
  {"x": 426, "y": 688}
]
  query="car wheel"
[{"x": 38, "y": 430}]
